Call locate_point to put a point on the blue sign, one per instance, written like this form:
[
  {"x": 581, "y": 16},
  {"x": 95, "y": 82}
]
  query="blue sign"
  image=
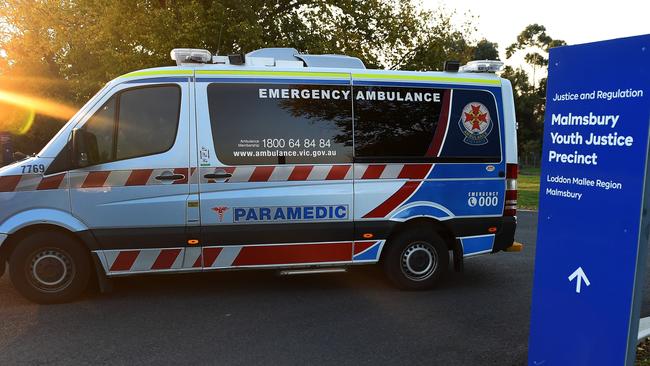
[{"x": 591, "y": 239}]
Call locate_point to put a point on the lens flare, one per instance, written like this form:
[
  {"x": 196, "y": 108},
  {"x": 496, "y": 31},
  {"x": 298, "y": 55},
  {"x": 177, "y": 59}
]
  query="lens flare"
[
  {"x": 38, "y": 105},
  {"x": 18, "y": 111}
]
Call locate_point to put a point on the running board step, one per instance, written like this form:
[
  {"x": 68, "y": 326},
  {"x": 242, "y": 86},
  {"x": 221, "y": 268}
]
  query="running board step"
[{"x": 289, "y": 272}]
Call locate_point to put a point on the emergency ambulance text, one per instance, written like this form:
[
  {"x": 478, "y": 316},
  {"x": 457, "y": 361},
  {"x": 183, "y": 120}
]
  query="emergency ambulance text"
[{"x": 378, "y": 95}]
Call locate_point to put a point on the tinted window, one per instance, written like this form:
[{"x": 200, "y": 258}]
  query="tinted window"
[
  {"x": 395, "y": 122},
  {"x": 423, "y": 123},
  {"x": 101, "y": 125},
  {"x": 474, "y": 131},
  {"x": 261, "y": 124},
  {"x": 146, "y": 122}
]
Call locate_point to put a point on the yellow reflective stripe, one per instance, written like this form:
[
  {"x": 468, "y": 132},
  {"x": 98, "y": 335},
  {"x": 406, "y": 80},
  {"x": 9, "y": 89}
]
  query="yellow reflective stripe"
[
  {"x": 159, "y": 73},
  {"x": 274, "y": 73},
  {"x": 442, "y": 79}
]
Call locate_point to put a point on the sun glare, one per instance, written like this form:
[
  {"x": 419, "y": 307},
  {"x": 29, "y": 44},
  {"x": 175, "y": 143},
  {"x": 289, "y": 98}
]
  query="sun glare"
[{"x": 21, "y": 119}]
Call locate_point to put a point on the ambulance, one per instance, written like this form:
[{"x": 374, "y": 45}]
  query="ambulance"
[{"x": 273, "y": 159}]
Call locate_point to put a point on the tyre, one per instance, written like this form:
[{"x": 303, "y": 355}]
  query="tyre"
[
  {"x": 416, "y": 259},
  {"x": 50, "y": 267}
]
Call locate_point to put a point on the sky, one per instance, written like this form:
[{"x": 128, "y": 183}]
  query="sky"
[{"x": 574, "y": 21}]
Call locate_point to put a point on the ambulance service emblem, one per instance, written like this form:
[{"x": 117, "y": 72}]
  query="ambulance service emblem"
[
  {"x": 220, "y": 211},
  {"x": 475, "y": 123}
]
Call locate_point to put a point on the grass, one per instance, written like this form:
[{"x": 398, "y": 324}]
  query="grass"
[{"x": 528, "y": 188}]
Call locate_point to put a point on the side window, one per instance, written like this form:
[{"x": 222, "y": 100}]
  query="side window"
[
  {"x": 101, "y": 125},
  {"x": 474, "y": 129},
  {"x": 147, "y": 121},
  {"x": 392, "y": 122},
  {"x": 133, "y": 123},
  {"x": 263, "y": 124},
  {"x": 425, "y": 124}
]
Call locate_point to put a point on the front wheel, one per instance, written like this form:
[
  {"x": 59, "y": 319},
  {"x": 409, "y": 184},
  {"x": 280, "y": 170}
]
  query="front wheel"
[
  {"x": 416, "y": 259},
  {"x": 49, "y": 267}
]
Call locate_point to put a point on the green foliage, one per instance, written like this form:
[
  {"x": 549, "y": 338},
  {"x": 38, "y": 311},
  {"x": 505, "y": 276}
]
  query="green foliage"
[
  {"x": 66, "y": 50},
  {"x": 528, "y": 189},
  {"x": 534, "y": 37},
  {"x": 486, "y": 50},
  {"x": 438, "y": 41},
  {"x": 530, "y": 97}
]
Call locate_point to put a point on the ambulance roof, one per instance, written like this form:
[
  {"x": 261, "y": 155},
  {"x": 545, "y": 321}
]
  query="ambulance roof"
[{"x": 310, "y": 73}]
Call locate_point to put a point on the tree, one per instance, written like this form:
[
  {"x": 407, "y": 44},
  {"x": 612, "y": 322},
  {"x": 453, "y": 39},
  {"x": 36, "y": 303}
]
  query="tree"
[
  {"x": 74, "y": 47},
  {"x": 530, "y": 96},
  {"x": 534, "y": 41},
  {"x": 486, "y": 50}
]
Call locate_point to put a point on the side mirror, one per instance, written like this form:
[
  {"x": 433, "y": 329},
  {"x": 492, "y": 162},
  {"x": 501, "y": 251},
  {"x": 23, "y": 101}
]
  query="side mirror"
[
  {"x": 17, "y": 156},
  {"x": 80, "y": 158}
]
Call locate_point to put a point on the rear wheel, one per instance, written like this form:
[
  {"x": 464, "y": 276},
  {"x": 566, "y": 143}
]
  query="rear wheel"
[
  {"x": 416, "y": 259},
  {"x": 49, "y": 267}
]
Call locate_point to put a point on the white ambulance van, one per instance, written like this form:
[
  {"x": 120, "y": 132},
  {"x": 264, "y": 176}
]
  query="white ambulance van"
[{"x": 274, "y": 159}]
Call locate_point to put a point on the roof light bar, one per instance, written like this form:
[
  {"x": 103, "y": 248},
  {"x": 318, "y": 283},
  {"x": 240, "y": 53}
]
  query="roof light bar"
[
  {"x": 482, "y": 66},
  {"x": 190, "y": 56}
]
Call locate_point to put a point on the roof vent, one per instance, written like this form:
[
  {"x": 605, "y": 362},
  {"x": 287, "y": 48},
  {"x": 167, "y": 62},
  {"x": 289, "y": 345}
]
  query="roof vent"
[
  {"x": 286, "y": 57},
  {"x": 341, "y": 61}
]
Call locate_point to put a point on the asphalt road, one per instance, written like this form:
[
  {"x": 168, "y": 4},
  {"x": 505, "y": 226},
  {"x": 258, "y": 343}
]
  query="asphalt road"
[{"x": 479, "y": 317}]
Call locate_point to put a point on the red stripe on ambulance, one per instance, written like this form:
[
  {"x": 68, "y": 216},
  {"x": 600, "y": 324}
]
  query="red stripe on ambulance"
[
  {"x": 293, "y": 254},
  {"x": 338, "y": 172},
  {"x": 393, "y": 201},
  {"x": 124, "y": 260},
  {"x": 95, "y": 179},
  {"x": 373, "y": 171},
  {"x": 360, "y": 246},
  {"x": 52, "y": 182},
  {"x": 8, "y": 183},
  {"x": 209, "y": 256},
  {"x": 414, "y": 171},
  {"x": 138, "y": 177},
  {"x": 166, "y": 259},
  {"x": 261, "y": 174},
  {"x": 441, "y": 129},
  {"x": 300, "y": 172}
]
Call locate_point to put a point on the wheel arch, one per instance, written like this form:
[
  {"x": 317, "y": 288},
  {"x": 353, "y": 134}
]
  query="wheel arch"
[
  {"x": 436, "y": 226},
  {"x": 38, "y": 220}
]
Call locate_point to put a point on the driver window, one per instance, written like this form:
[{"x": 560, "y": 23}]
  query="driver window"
[{"x": 134, "y": 123}]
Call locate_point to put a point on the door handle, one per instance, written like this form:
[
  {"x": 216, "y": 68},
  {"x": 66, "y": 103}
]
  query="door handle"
[
  {"x": 171, "y": 177},
  {"x": 217, "y": 175}
]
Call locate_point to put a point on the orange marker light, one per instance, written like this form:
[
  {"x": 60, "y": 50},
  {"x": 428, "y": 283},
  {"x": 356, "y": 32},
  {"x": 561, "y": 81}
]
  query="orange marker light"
[
  {"x": 492, "y": 229},
  {"x": 368, "y": 235},
  {"x": 192, "y": 241}
]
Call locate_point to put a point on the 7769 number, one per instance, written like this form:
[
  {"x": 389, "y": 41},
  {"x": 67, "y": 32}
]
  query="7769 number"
[{"x": 33, "y": 169}]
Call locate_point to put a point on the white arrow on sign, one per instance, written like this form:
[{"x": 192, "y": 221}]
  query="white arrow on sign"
[{"x": 580, "y": 274}]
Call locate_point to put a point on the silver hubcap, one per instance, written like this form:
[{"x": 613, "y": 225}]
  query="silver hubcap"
[
  {"x": 50, "y": 270},
  {"x": 419, "y": 261}
]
